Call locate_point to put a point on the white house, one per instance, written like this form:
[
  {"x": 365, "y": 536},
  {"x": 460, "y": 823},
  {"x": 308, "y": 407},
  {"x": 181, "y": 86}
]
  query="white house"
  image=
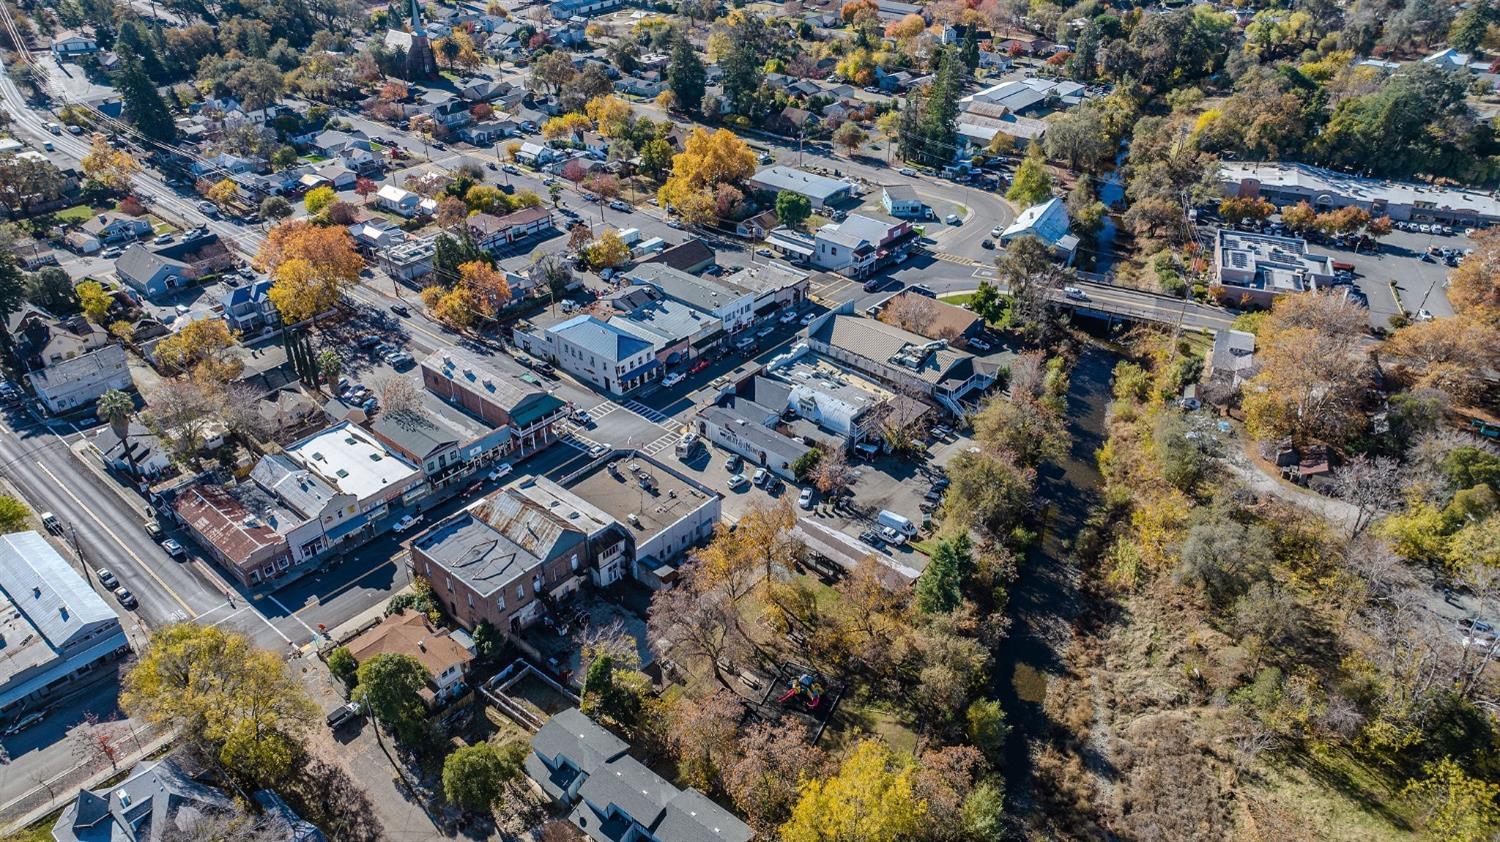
[{"x": 400, "y": 201}]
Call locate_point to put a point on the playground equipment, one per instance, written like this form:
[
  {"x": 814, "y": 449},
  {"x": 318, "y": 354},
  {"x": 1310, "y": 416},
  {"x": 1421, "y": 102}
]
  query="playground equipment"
[{"x": 806, "y": 685}]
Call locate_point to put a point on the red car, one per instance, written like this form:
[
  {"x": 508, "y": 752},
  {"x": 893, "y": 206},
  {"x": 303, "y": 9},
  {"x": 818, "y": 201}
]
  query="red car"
[{"x": 698, "y": 366}]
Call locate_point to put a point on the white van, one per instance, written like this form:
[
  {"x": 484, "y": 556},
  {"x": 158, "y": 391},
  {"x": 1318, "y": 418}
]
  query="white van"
[{"x": 896, "y": 522}]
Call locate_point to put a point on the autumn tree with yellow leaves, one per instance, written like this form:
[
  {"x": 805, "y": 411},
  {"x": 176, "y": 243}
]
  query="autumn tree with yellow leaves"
[
  {"x": 311, "y": 266},
  {"x": 706, "y": 161},
  {"x": 610, "y": 114},
  {"x": 200, "y": 347},
  {"x": 872, "y": 798},
  {"x": 109, "y": 167},
  {"x": 1474, "y": 287},
  {"x": 1310, "y": 356}
]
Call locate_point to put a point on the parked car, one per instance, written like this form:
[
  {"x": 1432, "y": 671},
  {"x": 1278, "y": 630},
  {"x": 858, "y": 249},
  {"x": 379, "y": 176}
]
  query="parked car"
[
  {"x": 153, "y": 530},
  {"x": 761, "y": 475},
  {"x": 734, "y": 463},
  {"x": 107, "y": 579},
  {"x": 788, "y": 317},
  {"x": 543, "y": 368},
  {"x": 805, "y": 499},
  {"x": 50, "y": 521},
  {"x": 499, "y": 471},
  {"x": 872, "y": 538},
  {"x": 672, "y": 379},
  {"x": 620, "y": 206},
  {"x": 208, "y": 209},
  {"x": 598, "y": 450},
  {"x": 406, "y": 522},
  {"x": 996, "y": 232},
  {"x": 698, "y": 366},
  {"x": 807, "y": 318},
  {"x": 24, "y": 722},
  {"x": 582, "y": 417},
  {"x": 979, "y": 344},
  {"x": 737, "y": 481},
  {"x": 953, "y": 219},
  {"x": 173, "y": 548},
  {"x": 986, "y": 243},
  {"x": 126, "y": 598},
  {"x": 343, "y": 715},
  {"x": 111, "y": 252},
  {"x": 162, "y": 239},
  {"x": 908, "y": 172},
  {"x": 891, "y": 536}
]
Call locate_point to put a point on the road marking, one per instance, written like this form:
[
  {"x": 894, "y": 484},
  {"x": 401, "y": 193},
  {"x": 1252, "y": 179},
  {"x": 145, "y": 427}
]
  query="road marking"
[
  {"x": 660, "y": 444},
  {"x": 290, "y": 613},
  {"x": 955, "y": 258},
  {"x": 347, "y": 586},
  {"x": 110, "y": 532}
]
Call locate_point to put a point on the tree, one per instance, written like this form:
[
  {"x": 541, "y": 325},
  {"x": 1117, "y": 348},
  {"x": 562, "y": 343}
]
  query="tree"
[
  {"x": 940, "y": 587},
  {"x": 703, "y": 737},
  {"x": 870, "y": 798},
  {"x": 1471, "y": 26},
  {"x": 792, "y": 209},
  {"x": 1032, "y": 278},
  {"x": 707, "y": 160},
  {"x": 387, "y": 688},
  {"x": 108, "y": 167},
  {"x": 743, "y": 64},
  {"x": 143, "y": 104},
  {"x": 1309, "y": 384},
  {"x": 115, "y": 408},
  {"x": 453, "y": 306},
  {"x": 565, "y": 126},
  {"x": 487, "y": 285},
  {"x": 983, "y": 813},
  {"x": 1299, "y": 218},
  {"x": 1236, "y": 209},
  {"x": 51, "y": 289},
  {"x": 987, "y": 492},
  {"x": 832, "y": 476},
  {"x": 473, "y": 775},
  {"x": 311, "y": 266},
  {"x": 275, "y": 207},
  {"x": 697, "y": 623},
  {"x": 849, "y": 136},
  {"x": 1455, "y": 806},
  {"x": 330, "y": 366},
  {"x": 611, "y": 115},
  {"x": 552, "y": 71},
  {"x": 685, "y": 73},
  {"x": 1474, "y": 287},
  {"x": 13, "y": 514},
  {"x": 769, "y": 764},
  {"x": 986, "y": 728},
  {"x": 343, "y": 666},
  {"x": 1032, "y": 184},
  {"x": 222, "y": 192},
  {"x": 318, "y": 199},
  {"x": 607, "y": 252},
  {"x": 94, "y": 301},
  {"x": 251, "y": 713},
  {"x": 26, "y": 182},
  {"x": 198, "y": 341},
  {"x": 1222, "y": 557},
  {"x": 656, "y": 158}
]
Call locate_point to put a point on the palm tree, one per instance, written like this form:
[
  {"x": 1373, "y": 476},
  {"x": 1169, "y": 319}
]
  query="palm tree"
[{"x": 116, "y": 407}]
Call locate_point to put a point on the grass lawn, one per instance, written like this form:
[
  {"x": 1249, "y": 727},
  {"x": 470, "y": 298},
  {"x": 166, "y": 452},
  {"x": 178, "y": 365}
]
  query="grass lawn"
[
  {"x": 77, "y": 213},
  {"x": 957, "y": 300},
  {"x": 162, "y": 227},
  {"x": 926, "y": 548},
  {"x": 1338, "y": 797},
  {"x": 39, "y": 832},
  {"x": 314, "y": 158}
]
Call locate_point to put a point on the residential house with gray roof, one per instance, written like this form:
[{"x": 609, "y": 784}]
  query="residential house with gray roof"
[{"x": 616, "y": 797}]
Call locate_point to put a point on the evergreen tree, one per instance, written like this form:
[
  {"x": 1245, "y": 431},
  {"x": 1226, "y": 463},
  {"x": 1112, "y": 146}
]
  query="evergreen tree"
[
  {"x": 685, "y": 74},
  {"x": 137, "y": 39},
  {"x": 144, "y": 105},
  {"x": 743, "y": 67},
  {"x": 940, "y": 587},
  {"x": 12, "y": 290},
  {"x": 908, "y": 137},
  {"x": 450, "y": 252},
  {"x": 970, "y": 49},
  {"x": 938, "y": 124}
]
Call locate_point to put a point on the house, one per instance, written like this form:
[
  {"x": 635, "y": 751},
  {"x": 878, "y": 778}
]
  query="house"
[
  {"x": 58, "y": 632},
  {"x": 1047, "y": 222},
  {"x": 397, "y": 200},
  {"x": 159, "y": 800},
  {"x": 1233, "y": 357},
  {"x": 494, "y": 233},
  {"x": 1019, "y": 96},
  {"x": 797, "y": 121},
  {"x": 610, "y": 356},
  {"x": 224, "y": 164},
  {"x": 445, "y": 655},
  {"x": 535, "y": 155},
  {"x": 337, "y": 174},
  {"x": 488, "y": 131},
  {"x": 691, "y": 256},
  {"x": 248, "y": 307},
  {"x": 754, "y": 227},
  {"x": 1260, "y": 267},
  {"x": 901, "y": 358},
  {"x": 565, "y": 9},
  {"x": 375, "y": 234},
  {"x": 75, "y": 383},
  {"x": 646, "y": 84},
  {"x": 70, "y": 43},
  {"x": 111, "y": 228},
  {"x": 902, "y": 201},
  {"x": 731, "y": 305},
  {"x": 154, "y": 270},
  {"x": 893, "y": 83},
  {"x": 614, "y": 796},
  {"x": 331, "y": 142},
  {"x": 820, "y": 190},
  {"x": 141, "y": 454}
]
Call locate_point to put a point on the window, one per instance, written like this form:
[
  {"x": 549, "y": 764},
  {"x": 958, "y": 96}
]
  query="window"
[
  {"x": 574, "y": 563},
  {"x": 449, "y": 581},
  {"x": 471, "y": 600},
  {"x": 520, "y": 592},
  {"x": 500, "y": 601}
]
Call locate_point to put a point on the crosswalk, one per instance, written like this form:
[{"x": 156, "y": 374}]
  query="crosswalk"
[
  {"x": 955, "y": 258},
  {"x": 657, "y": 446},
  {"x": 653, "y": 415}
]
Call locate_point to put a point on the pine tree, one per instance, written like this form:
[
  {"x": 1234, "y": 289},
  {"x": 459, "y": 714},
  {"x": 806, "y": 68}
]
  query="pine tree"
[
  {"x": 970, "y": 50},
  {"x": 137, "y": 39},
  {"x": 144, "y": 105},
  {"x": 685, "y": 74},
  {"x": 908, "y": 136}
]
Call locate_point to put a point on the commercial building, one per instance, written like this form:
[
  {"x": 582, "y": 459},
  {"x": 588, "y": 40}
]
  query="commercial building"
[
  {"x": 239, "y": 530},
  {"x": 1324, "y": 189},
  {"x": 609, "y": 355},
  {"x": 733, "y": 306},
  {"x": 449, "y": 445},
  {"x": 1260, "y": 267},
  {"x": 1019, "y": 96},
  {"x": 444, "y": 654},
  {"x": 407, "y": 260},
  {"x": 527, "y": 413},
  {"x": 678, "y": 332},
  {"x": 494, "y": 233},
  {"x": 662, "y": 511},
  {"x": 901, "y": 200},
  {"x": 56, "y": 631},
  {"x": 353, "y": 462},
  {"x": 742, "y": 426},
  {"x": 860, "y": 244},
  {"x": 69, "y": 362},
  {"x": 820, "y": 190},
  {"x": 902, "y": 358},
  {"x": 828, "y": 399},
  {"x": 331, "y": 516},
  {"x": 615, "y": 797}
]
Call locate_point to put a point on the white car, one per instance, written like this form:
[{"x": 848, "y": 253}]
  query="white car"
[
  {"x": 671, "y": 379},
  {"x": 979, "y": 344},
  {"x": 406, "y": 522},
  {"x": 805, "y": 499},
  {"x": 173, "y": 548},
  {"x": 952, "y": 219},
  {"x": 788, "y": 317},
  {"x": 808, "y": 319},
  {"x": 1075, "y": 293},
  {"x": 738, "y": 481},
  {"x": 598, "y": 450},
  {"x": 996, "y": 232},
  {"x": 908, "y": 172},
  {"x": 1424, "y": 315},
  {"x": 500, "y": 470}
]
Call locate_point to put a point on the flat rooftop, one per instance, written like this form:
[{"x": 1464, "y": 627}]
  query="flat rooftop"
[
  {"x": 351, "y": 460},
  {"x": 615, "y": 488}
]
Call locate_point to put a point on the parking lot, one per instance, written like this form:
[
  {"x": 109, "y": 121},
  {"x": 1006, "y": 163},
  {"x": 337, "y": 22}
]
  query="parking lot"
[{"x": 1397, "y": 272}]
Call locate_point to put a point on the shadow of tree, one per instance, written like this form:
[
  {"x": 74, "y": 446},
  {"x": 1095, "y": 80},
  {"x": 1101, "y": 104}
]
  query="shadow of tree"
[{"x": 327, "y": 796}]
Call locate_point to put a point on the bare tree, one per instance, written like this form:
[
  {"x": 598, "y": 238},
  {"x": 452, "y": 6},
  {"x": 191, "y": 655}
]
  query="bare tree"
[
  {"x": 1370, "y": 485},
  {"x": 1028, "y": 374},
  {"x": 399, "y": 395},
  {"x": 907, "y": 311},
  {"x": 687, "y": 622},
  {"x": 98, "y": 739},
  {"x": 833, "y": 476}
]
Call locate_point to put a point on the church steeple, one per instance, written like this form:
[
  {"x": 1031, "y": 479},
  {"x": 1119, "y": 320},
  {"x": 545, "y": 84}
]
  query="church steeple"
[
  {"x": 416, "y": 18},
  {"x": 420, "y": 61}
]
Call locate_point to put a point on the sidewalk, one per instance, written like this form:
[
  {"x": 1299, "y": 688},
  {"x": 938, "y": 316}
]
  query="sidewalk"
[{"x": 63, "y": 789}]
